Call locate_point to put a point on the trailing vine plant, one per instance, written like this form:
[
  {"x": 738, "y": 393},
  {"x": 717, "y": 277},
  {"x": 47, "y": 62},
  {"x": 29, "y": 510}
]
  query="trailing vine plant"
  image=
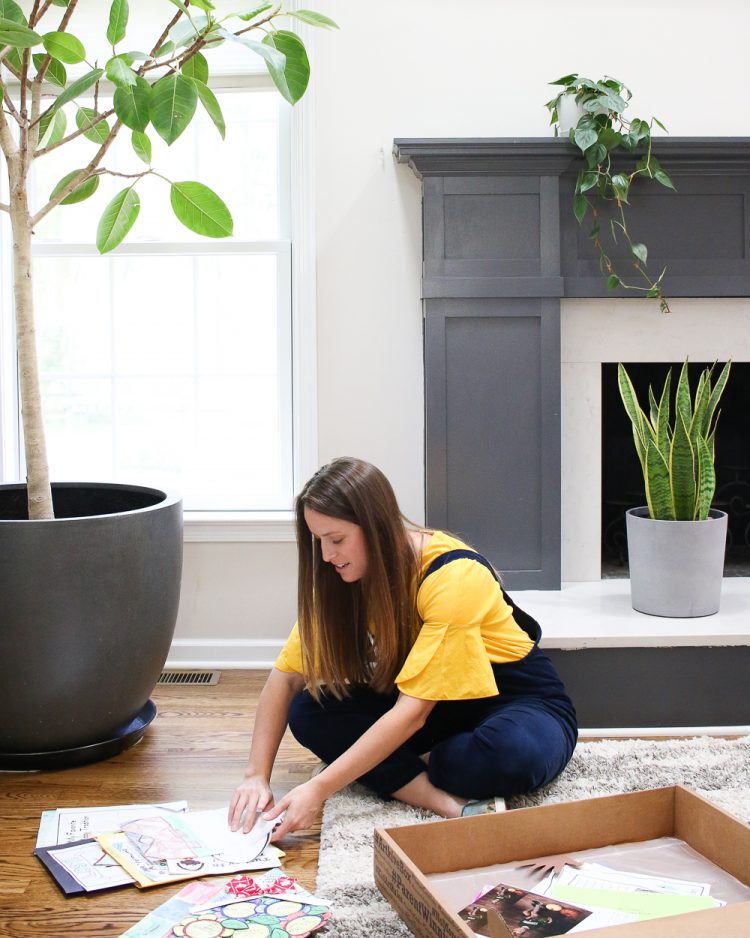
[{"x": 602, "y": 133}]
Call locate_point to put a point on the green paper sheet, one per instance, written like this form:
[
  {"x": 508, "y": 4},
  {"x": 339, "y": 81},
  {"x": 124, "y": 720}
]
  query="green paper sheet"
[{"x": 644, "y": 905}]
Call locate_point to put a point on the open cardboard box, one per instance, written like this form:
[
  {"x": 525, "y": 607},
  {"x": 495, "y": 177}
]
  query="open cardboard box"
[{"x": 404, "y": 856}]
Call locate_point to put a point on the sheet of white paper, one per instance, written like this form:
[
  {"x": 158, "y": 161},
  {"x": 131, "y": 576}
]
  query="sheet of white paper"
[
  {"x": 232, "y": 846},
  {"x": 91, "y": 866},
  {"x": 65, "y": 825},
  {"x": 596, "y": 876}
]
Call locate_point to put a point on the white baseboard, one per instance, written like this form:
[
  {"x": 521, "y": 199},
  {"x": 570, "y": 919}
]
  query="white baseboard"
[{"x": 250, "y": 654}]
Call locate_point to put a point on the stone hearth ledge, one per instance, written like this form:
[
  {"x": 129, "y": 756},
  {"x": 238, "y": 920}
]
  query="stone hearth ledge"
[{"x": 599, "y": 615}]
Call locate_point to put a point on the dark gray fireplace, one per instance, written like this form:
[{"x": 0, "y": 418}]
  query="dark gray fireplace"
[{"x": 501, "y": 250}]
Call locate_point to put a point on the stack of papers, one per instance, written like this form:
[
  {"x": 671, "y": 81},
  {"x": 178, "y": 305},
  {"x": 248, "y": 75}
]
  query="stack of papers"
[
  {"x": 617, "y": 896},
  {"x": 89, "y": 849},
  {"x": 584, "y": 897}
]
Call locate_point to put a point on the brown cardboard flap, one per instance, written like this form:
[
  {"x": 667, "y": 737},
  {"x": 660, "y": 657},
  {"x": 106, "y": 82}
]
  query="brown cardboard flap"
[
  {"x": 714, "y": 833},
  {"x": 442, "y": 846}
]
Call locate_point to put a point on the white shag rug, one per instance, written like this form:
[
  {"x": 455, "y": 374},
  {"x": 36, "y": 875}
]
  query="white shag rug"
[{"x": 719, "y": 769}]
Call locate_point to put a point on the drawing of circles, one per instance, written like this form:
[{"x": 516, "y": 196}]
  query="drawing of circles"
[
  {"x": 256, "y": 931},
  {"x": 283, "y": 907},
  {"x": 204, "y": 928},
  {"x": 239, "y": 909},
  {"x": 303, "y": 924}
]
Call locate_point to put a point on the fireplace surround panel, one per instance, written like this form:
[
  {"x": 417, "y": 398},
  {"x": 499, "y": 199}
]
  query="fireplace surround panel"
[{"x": 504, "y": 260}]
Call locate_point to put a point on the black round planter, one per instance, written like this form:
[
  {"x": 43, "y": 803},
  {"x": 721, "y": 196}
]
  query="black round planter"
[{"x": 88, "y": 605}]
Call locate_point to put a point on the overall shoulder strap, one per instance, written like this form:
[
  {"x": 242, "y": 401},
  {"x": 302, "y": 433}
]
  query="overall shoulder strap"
[{"x": 530, "y": 626}]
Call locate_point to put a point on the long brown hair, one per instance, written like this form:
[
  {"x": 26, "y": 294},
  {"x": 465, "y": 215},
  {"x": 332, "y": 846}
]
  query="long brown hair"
[{"x": 361, "y": 632}]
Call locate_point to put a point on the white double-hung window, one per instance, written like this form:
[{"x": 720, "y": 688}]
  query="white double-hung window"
[{"x": 170, "y": 361}]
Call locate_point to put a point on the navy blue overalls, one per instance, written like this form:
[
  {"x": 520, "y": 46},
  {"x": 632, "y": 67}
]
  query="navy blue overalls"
[{"x": 492, "y": 746}]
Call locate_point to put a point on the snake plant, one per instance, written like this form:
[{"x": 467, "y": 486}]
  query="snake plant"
[{"x": 676, "y": 456}]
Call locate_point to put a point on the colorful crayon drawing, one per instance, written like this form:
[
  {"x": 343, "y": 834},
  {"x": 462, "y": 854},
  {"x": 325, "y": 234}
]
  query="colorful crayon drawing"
[
  {"x": 160, "y": 838},
  {"x": 258, "y": 917}
]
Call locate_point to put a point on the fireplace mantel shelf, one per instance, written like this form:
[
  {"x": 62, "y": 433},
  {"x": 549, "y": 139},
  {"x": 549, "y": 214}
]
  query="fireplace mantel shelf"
[
  {"x": 599, "y": 615},
  {"x": 542, "y": 156}
]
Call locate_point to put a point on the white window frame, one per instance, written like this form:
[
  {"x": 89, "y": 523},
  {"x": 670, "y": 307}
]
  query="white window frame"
[{"x": 206, "y": 526}]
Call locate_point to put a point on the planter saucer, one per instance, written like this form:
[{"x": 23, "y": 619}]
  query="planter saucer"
[{"x": 123, "y": 739}]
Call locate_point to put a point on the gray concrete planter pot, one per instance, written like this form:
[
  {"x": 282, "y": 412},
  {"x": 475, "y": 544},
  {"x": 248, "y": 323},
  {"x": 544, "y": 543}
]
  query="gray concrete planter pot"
[
  {"x": 676, "y": 567},
  {"x": 88, "y": 605}
]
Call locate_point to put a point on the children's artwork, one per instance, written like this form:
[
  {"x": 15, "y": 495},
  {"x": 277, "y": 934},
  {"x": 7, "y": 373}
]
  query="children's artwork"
[
  {"x": 258, "y": 917},
  {"x": 166, "y": 838},
  {"x": 271, "y": 883},
  {"x": 82, "y": 866},
  {"x": 65, "y": 825},
  {"x": 526, "y": 914},
  {"x": 148, "y": 873}
]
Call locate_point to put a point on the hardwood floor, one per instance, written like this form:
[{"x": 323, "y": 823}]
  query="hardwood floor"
[{"x": 195, "y": 750}]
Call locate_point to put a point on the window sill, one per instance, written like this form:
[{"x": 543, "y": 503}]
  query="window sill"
[{"x": 234, "y": 526}]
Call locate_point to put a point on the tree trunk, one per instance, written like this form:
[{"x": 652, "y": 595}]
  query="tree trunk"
[{"x": 35, "y": 447}]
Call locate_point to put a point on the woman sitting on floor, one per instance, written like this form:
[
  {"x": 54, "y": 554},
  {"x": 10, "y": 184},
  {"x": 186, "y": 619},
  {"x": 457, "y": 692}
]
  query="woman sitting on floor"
[{"x": 409, "y": 669}]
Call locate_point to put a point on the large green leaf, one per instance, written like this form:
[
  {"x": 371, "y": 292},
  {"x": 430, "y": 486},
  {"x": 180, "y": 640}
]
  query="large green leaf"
[
  {"x": 64, "y": 47},
  {"x": 201, "y": 210},
  {"x": 142, "y": 146},
  {"x": 78, "y": 87},
  {"x": 633, "y": 410},
  {"x": 14, "y": 33},
  {"x": 293, "y": 78},
  {"x": 118, "y": 21},
  {"x": 682, "y": 471},
  {"x": 713, "y": 401},
  {"x": 132, "y": 104},
  {"x": 314, "y": 19},
  {"x": 706, "y": 481},
  {"x": 196, "y": 67},
  {"x": 658, "y": 491},
  {"x": 683, "y": 404},
  {"x": 86, "y": 189},
  {"x": 584, "y": 137},
  {"x": 55, "y": 70},
  {"x": 248, "y": 15},
  {"x": 120, "y": 73},
  {"x": 662, "y": 422},
  {"x": 99, "y": 132},
  {"x": 117, "y": 220},
  {"x": 702, "y": 395},
  {"x": 212, "y": 106},
  {"x": 52, "y": 128},
  {"x": 10, "y": 10},
  {"x": 174, "y": 99},
  {"x": 206, "y": 5}
]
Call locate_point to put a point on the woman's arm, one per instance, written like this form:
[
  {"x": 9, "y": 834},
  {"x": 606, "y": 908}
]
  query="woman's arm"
[
  {"x": 385, "y": 736},
  {"x": 254, "y": 793}
]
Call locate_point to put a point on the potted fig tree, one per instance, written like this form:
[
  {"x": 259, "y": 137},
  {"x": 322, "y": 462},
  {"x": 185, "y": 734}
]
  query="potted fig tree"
[
  {"x": 90, "y": 573},
  {"x": 676, "y": 542}
]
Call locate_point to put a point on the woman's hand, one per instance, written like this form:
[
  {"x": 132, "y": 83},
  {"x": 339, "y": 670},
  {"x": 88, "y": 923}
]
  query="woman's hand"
[
  {"x": 251, "y": 797},
  {"x": 301, "y": 806}
]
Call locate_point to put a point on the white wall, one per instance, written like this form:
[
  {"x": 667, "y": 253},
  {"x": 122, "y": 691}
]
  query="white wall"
[{"x": 433, "y": 68}]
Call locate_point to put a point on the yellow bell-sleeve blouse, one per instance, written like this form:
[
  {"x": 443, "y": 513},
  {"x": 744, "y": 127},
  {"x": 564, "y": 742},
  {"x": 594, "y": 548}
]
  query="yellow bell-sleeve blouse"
[{"x": 467, "y": 626}]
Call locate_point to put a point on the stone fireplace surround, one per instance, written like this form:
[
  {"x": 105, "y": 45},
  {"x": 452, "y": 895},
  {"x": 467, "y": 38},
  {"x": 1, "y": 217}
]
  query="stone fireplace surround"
[{"x": 511, "y": 287}]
